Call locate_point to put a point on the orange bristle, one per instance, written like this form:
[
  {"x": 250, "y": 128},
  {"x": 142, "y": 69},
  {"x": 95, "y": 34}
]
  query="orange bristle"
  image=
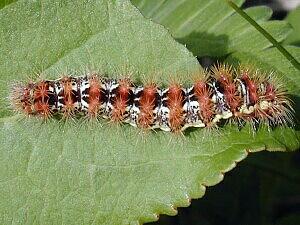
[
  {"x": 124, "y": 88},
  {"x": 41, "y": 97},
  {"x": 225, "y": 76},
  {"x": 203, "y": 94},
  {"x": 270, "y": 94},
  {"x": 175, "y": 103},
  {"x": 121, "y": 99},
  {"x": 41, "y": 91},
  {"x": 94, "y": 96},
  {"x": 119, "y": 110},
  {"x": 147, "y": 104},
  {"x": 68, "y": 97},
  {"x": 43, "y": 109}
]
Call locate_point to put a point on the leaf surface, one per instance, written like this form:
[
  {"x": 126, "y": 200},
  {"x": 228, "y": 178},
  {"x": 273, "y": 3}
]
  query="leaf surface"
[
  {"x": 211, "y": 27},
  {"x": 293, "y": 18},
  {"x": 3, "y": 3}
]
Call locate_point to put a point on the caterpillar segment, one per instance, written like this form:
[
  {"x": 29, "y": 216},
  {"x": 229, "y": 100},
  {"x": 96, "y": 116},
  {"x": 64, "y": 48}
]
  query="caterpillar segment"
[{"x": 225, "y": 94}]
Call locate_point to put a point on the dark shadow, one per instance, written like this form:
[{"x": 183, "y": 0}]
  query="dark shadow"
[
  {"x": 203, "y": 44},
  {"x": 296, "y": 106},
  {"x": 295, "y": 43},
  {"x": 263, "y": 189}
]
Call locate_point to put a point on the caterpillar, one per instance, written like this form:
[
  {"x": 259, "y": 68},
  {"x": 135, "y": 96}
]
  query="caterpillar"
[{"x": 223, "y": 93}]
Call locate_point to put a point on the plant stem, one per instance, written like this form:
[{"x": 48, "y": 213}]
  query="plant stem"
[{"x": 275, "y": 43}]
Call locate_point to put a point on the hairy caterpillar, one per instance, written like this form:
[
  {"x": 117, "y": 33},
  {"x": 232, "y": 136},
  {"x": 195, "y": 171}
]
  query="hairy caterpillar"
[{"x": 221, "y": 94}]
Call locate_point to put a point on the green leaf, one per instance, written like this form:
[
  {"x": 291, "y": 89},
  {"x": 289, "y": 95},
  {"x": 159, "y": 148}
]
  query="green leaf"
[
  {"x": 4, "y": 3},
  {"x": 293, "y": 18},
  {"x": 108, "y": 175},
  {"x": 268, "y": 36},
  {"x": 211, "y": 27},
  {"x": 94, "y": 172}
]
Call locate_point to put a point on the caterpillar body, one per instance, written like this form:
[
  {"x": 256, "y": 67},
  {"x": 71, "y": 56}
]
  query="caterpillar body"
[{"x": 222, "y": 94}]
